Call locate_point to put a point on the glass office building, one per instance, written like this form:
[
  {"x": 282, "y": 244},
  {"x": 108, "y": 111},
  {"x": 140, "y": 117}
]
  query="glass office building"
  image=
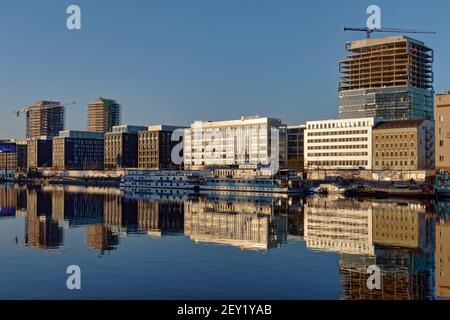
[{"x": 389, "y": 78}]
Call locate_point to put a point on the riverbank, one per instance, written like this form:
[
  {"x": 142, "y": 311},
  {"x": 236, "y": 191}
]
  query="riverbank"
[{"x": 87, "y": 182}]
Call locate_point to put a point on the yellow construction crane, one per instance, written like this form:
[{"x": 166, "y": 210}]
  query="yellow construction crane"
[{"x": 44, "y": 107}]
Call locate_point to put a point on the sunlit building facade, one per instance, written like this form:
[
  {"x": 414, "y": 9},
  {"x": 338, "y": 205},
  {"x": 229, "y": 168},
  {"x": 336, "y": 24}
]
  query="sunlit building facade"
[
  {"x": 250, "y": 140},
  {"x": 339, "y": 144}
]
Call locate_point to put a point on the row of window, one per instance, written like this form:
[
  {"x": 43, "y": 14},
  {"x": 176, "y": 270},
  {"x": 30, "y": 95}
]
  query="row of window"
[
  {"x": 397, "y": 163},
  {"x": 353, "y": 163},
  {"x": 338, "y": 154},
  {"x": 395, "y": 154},
  {"x": 336, "y": 133},
  {"x": 395, "y": 145},
  {"x": 332, "y": 125},
  {"x": 337, "y": 140},
  {"x": 334, "y": 147},
  {"x": 394, "y": 136}
]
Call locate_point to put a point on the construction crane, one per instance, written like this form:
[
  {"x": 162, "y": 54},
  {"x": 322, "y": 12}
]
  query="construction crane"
[
  {"x": 369, "y": 31},
  {"x": 44, "y": 107}
]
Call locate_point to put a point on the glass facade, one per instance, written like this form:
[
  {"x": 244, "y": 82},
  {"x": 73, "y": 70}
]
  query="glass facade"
[{"x": 388, "y": 103}]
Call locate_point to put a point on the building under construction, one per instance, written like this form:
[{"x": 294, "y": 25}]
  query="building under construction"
[
  {"x": 45, "y": 118},
  {"x": 103, "y": 115},
  {"x": 388, "y": 77}
]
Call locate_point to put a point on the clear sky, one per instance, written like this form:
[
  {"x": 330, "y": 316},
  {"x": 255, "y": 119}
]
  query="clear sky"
[{"x": 176, "y": 61}]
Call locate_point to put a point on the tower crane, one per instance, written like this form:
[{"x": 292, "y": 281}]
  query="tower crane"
[
  {"x": 369, "y": 31},
  {"x": 44, "y": 107}
]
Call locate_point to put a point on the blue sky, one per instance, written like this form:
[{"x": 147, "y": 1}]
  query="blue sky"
[{"x": 176, "y": 61}]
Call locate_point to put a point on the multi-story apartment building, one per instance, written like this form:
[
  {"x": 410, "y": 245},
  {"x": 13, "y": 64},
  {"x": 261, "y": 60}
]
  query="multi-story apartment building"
[
  {"x": 78, "y": 150},
  {"x": 40, "y": 153},
  {"x": 121, "y": 147},
  {"x": 339, "y": 144},
  {"x": 45, "y": 118},
  {"x": 403, "y": 145},
  {"x": 388, "y": 77},
  {"x": 103, "y": 115},
  {"x": 442, "y": 124},
  {"x": 250, "y": 140},
  {"x": 155, "y": 148},
  {"x": 295, "y": 147},
  {"x": 15, "y": 160}
]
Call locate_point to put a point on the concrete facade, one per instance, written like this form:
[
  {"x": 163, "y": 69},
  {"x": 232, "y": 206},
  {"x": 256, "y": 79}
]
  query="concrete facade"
[{"x": 339, "y": 144}]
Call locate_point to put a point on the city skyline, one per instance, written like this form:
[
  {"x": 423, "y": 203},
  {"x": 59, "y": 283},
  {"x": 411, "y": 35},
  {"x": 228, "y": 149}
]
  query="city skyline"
[{"x": 215, "y": 60}]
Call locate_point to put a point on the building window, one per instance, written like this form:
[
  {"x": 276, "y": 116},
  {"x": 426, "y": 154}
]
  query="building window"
[
  {"x": 441, "y": 143},
  {"x": 441, "y": 118}
]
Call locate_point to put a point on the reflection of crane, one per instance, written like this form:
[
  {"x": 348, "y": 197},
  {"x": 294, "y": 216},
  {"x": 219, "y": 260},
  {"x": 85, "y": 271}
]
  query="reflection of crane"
[
  {"x": 44, "y": 107},
  {"x": 369, "y": 31}
]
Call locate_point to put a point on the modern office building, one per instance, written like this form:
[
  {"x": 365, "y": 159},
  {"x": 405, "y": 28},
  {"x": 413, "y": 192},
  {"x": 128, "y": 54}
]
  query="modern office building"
[
  {"x": 339, "y": 144},
  {"x": 442, "y": 124},
  {"x": 295, "y": 147},
  {"x": 121, "y": 147},
  {"x": 45, "y": 118},
  {"x": 155, "y": 148},
  {"x": 403, "y": 145},
  {"x": 78, "y": 150},
  {"x": 103, "y": 115},
  {"x": 249, "y": 140},
  {"x": 388, "y": 77},
  {"x": 16, "y": 160},
  {"x": 40, "y": 153}
]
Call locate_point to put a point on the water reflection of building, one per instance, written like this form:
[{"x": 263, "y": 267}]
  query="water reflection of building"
[
  {"x": 339, "y": 225},
  {"x": 159, "y": 218},
  {"x": 443, "y": 259},
  {"x": 120, "y": 213},
  {"x": 77, "y": 206},
  {"x": 42, "y": 232},
  {"x": 404, "y": 250},
  {"x": 406, "y": 274},
  {"x": 99, "y": 238},
  {"x": 296, "y": 219},
  {"x": 236, "y": 222},
  {"x": 399, "y": 225},
  {"x": 8, "y": 201}
]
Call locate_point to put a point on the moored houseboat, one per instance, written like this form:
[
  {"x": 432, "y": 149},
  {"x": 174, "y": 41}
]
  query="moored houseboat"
[
  {"x": 252, "y": 180},
  {"x": 140, "y": 180}
]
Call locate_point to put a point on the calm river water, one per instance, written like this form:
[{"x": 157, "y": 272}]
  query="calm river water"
[{"x": 178, "y": 246}]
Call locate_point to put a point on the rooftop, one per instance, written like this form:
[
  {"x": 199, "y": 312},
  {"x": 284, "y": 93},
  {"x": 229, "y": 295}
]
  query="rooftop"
[
  {"x": 398, "y": 124},
  {"x": 384, "y": 40}
]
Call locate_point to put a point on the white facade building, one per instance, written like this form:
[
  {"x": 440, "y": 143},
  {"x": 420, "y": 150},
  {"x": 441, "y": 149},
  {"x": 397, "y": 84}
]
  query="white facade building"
[
  {"x": 339, "y": 144},
  {"x": 249, "y": 140}
]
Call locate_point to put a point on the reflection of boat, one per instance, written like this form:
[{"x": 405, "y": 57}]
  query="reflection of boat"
[
  {"x": 395, "y": 190},
  {"x": 330, "y": 188}
]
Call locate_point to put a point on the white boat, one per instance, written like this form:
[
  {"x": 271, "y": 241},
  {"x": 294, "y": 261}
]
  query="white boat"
[{"x": 144, "y": 180}]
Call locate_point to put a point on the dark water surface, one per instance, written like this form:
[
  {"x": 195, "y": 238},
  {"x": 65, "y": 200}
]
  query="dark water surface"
[{"x": 155, "y": 246}]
